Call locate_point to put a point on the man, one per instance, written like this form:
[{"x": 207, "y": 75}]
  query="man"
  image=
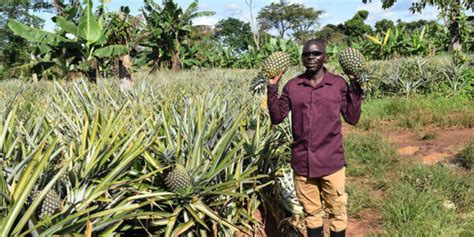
[{"x": 316, "y": 99}]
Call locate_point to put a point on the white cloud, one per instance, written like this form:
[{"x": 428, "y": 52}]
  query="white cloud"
[{"x": 205, "y": 20}]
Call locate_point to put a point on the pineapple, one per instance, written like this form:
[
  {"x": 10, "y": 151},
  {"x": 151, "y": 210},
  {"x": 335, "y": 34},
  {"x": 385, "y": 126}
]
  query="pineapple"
[
  {"x": 270, "y": 68},
  {"x": 50, "y": 204},
  {"x": 352, "y": 62},
  {"x": 178, "y": 179},
  {"x": 275, "y": 63}
]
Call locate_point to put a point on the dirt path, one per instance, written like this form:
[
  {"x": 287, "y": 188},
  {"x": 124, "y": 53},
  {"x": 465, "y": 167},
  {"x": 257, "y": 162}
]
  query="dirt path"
[{"x": 431, "y": 146}]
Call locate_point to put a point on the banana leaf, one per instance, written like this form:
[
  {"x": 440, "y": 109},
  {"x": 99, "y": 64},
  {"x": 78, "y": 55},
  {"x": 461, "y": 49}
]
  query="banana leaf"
[
  {"x": 89, "y": 28},
  {"x": 111, "y": 51}
]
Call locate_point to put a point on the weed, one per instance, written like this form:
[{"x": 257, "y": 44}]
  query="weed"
[
  {"x": 466, "y": 158},
  {"x": 408, "y": 212}
]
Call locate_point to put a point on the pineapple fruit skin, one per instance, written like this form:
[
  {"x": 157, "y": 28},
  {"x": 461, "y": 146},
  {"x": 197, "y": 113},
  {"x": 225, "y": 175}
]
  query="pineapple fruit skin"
[
  {"x": 352, "y": 62},
  {"x": 275, "y": 63},
  {"x": 178, "y": 179},
  {"x": 50, "y": 204},
  {"x": 270, "y": 68}
]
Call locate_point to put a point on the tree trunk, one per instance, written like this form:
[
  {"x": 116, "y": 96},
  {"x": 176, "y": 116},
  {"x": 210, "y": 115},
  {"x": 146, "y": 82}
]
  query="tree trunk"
[
  {"x": 34, "y": 77},
  {"x": 125, "y": 67},
  {"x": 255, "y": 32},
  {"x": 175, "y": 60},
  {"x": 454, "y": 30},
  {"x": 455, "y": 43}
]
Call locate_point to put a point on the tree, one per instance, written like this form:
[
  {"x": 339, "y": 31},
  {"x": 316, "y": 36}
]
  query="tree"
[
  {"x": 304, "y": 22},
  {"x": 383, "y": 25},
  {"x": 14, "y": 49},
  {"x": 121, "y": 28},
  {"x": 284, "y": 17},
  {"x": 74, "y": 47},
  {"x": 355, "y": 28},
  {"x": 452, "y": 11},
  {"x": 234, "y": 33},
  {"x": 331, "y": 33},
  {"x": 255, "y": 34},
  {"x": 168, "y": 28}
]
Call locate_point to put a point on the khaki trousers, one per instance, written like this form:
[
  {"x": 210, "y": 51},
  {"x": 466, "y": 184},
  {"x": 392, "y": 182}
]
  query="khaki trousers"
[{"x": 331, "y": 189}]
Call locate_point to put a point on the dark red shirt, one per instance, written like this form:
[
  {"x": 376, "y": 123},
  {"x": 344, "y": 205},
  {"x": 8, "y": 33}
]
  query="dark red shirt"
[{"x": 315, "y": 117}]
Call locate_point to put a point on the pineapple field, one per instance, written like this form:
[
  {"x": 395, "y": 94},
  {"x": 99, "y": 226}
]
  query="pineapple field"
[
  {"x": 126, "y": 123},
  {"x": 194, "y": 153}
]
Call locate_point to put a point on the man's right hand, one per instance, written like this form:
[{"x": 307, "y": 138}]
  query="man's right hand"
[{"x": 277, "y": 78}]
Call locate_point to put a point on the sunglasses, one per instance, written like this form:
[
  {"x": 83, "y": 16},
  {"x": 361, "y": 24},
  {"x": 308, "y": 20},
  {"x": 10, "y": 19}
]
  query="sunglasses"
[{"x": 313, "y": 53}]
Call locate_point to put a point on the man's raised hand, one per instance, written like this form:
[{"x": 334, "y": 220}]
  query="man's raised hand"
[{"x": 277, "y": 78}]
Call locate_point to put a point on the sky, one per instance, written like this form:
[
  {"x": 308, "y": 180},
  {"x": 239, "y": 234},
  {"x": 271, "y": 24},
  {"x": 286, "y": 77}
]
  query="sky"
[{"x": 335, "y": 11}]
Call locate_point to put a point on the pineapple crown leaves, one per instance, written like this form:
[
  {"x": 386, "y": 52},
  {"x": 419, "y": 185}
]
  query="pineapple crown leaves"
[{"x": 258, "y": 84}]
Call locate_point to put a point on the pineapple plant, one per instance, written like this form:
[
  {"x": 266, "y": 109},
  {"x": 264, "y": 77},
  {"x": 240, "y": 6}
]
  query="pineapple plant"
[
  {"x": 270, "y": 68},
  {"x": 287, "y": 191},
  {"x": 352, "y": 62},
  {"x": 178, "y": 179}
]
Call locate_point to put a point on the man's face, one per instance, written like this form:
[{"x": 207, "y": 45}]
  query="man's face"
[{"x": 313, "y": 56}]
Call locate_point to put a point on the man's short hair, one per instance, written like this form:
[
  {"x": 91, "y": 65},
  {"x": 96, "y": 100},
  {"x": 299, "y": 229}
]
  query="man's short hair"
[{"x": 316, "y": 41}]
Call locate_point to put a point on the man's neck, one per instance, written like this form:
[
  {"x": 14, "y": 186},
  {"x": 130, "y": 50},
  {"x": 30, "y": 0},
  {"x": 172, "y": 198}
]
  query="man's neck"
[{"x": 315, "y": 77}]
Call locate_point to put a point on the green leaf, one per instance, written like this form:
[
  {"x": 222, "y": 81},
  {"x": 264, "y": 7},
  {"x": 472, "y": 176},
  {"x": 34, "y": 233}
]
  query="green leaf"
[
  {"x": 34, "y": 35},
  {"x": 199, "y": 205},
  {"x": 65, "y": 25},
  {"x": 89, "y": 28},
  {"x": 25, "y": 185},
  {"x": 111, "y": 51},
  {"x": 172, "y": 221}
]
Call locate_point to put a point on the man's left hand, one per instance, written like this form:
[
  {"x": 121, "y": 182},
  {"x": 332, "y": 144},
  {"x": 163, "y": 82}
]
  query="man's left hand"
[{"x": 352, "y": 77}]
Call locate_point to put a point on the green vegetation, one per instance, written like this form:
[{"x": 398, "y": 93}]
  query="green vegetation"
[
  {"x": 429, "y": 200},
  {"x": 165, "y": 38},
  {"x": 466, "y": 158},
  {"x": 119, "y": 146},
  {"x": 192, "y": 152}
]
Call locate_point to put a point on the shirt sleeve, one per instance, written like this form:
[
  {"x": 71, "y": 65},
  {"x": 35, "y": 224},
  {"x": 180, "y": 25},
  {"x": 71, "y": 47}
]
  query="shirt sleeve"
[
  {"x": 278, "y": 107},
  {"x": 352, "y": 102}
]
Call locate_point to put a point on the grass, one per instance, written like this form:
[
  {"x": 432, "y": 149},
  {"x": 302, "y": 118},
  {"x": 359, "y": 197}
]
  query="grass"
[
  {"x": 417, "y": 111},
  {"x": 466, "y": 158},
  {"x": 416, "y": 203},
  {"x": 411, "y": 199},
  {"x": 369, "y": 155},
  {"x": 360, "y": 199}
]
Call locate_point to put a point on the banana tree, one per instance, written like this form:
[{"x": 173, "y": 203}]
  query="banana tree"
[
  {"x": 383, "y": 47},
  {"x": 83, "y": 43},
  {"x": 168, "y": 27},
  {"x": 122, "y": 28}
]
